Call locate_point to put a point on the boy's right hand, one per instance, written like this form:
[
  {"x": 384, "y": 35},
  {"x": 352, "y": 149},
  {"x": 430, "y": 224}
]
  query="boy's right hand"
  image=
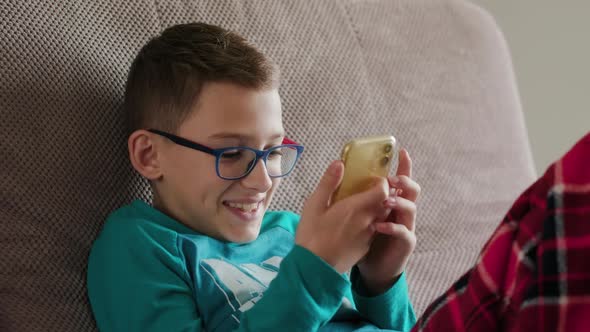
[{"x": 341, "y": 233}]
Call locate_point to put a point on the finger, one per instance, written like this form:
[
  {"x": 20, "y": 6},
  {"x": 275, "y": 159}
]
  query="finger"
[
  {"x": 377, "y": 195},
  {"x": 327, "y": 185},
  {"x": 409, "y": 188},
  {"x": 404, "y": 213},
  {"x": 397, "y": 231},
  {"x": 389, "y": 228},
  {"x": 405, "y": 164},
  {"x": 369, "y": 205}
]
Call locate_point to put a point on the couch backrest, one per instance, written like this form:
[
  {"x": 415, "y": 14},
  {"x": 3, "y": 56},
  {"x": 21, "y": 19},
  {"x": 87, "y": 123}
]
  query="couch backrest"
[{"x": 434, "y": 73}]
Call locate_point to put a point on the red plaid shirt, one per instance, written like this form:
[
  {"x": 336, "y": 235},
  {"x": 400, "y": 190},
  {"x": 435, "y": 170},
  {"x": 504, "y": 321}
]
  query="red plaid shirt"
[{"x": 534, "y": 272}]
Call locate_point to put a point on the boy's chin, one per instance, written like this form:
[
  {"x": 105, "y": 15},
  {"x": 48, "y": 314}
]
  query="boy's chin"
[
  {"x": 242, "y": 237},
  {"x": 242, "y": 233}
]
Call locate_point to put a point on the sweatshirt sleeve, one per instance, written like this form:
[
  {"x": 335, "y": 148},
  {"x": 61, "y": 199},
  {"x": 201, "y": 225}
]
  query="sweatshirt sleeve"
[
  {"x": 390, "y": 310},
  {"x": 306, "y": 293}
]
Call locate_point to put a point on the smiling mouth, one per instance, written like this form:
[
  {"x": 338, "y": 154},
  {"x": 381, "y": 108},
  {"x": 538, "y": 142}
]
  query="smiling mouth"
[{"x": 244, "y": 207}]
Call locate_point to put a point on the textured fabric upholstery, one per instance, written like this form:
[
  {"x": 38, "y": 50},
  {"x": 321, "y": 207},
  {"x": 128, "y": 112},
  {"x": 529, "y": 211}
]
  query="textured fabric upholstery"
[{"x": 436, "y": 74}]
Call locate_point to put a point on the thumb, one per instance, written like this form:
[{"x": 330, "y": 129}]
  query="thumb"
[
  {"x": 327, "y": 185},
  {"x": 377, "y": 194}
]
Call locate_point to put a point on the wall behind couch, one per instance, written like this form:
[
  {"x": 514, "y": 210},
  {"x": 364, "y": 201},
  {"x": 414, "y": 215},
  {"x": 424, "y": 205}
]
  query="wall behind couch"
[{"x": 550, "y": 49}]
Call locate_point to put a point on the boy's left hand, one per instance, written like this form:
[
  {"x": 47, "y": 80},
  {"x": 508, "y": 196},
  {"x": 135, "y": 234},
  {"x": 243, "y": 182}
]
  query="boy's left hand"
[{"x": 394, "y": 238}]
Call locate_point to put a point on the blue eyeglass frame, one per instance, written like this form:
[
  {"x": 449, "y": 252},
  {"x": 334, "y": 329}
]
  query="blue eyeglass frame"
[{"x": 260, "y": 154}]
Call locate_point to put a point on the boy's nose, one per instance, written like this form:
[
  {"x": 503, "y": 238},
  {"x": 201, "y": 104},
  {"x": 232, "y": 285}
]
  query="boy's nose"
[{"x": 258, "y": 178}]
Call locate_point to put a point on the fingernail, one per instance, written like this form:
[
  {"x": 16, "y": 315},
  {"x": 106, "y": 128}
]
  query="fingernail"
[
  {"x": 393, "y": 192},
  {"x": 395, "y": 179},
  {"x": 390, "y": 202}
]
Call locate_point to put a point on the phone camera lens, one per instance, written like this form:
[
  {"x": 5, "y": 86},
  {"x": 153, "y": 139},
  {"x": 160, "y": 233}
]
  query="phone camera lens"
[
  {"x": 387, "y": 148},
  {"x": 384, "y": 161}
]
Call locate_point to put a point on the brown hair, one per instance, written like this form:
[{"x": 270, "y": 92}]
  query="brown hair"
[{"x": 169, "y": 72}]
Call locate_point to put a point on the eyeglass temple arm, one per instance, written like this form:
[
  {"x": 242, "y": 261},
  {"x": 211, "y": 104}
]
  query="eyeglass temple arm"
[{"x": 183, "y": 142}]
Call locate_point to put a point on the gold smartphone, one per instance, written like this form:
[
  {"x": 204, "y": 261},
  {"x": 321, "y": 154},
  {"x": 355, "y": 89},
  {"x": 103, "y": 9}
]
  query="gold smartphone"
[{"x": 364, "y": 159}]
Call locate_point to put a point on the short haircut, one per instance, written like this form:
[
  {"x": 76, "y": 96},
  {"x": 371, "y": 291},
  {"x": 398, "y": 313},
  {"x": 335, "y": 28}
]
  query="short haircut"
[{"x": 169, "y": 72}]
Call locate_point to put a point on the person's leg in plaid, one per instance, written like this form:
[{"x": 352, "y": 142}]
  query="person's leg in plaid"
[{"x": 534, "y": 272}]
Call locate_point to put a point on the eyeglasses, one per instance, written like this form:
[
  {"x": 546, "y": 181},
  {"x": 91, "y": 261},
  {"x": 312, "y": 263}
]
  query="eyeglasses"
[{"x": 234, "y": 163}]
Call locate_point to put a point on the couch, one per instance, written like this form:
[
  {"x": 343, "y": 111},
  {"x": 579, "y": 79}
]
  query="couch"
[{"x": 436, "y": 74}]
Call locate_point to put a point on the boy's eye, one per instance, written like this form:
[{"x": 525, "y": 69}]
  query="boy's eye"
[
  {"x": 231, "y": 154},
  {"x": 275, "y": 153}
]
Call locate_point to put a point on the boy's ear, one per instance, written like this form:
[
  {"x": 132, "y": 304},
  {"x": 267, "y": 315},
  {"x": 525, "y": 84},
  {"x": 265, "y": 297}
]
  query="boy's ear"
[{"x": 144, "y": 154}]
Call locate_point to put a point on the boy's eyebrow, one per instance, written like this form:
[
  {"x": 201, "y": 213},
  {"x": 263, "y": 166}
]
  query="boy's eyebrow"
[{"x": 242, "y": 137}]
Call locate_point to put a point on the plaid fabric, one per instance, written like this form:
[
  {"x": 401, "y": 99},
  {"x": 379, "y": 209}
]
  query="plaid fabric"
[{"x": 533, "y": 273}]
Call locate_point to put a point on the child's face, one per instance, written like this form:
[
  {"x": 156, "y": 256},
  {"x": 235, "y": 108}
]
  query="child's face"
[{"x": 189, "y": 190}]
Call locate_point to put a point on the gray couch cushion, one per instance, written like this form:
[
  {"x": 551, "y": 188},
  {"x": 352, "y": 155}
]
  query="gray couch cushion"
[{"x": 434, "y": 73}]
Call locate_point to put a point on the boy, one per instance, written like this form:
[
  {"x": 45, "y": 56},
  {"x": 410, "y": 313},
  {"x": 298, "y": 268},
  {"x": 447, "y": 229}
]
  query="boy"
[{"x": 206, "y": 131}]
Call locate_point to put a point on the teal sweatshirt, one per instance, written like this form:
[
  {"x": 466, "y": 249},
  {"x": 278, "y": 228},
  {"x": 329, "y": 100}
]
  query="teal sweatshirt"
[{"x": 148, "y": 272}]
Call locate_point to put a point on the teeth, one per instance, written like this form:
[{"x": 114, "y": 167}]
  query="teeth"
[{"x": 243, "y": 207}]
